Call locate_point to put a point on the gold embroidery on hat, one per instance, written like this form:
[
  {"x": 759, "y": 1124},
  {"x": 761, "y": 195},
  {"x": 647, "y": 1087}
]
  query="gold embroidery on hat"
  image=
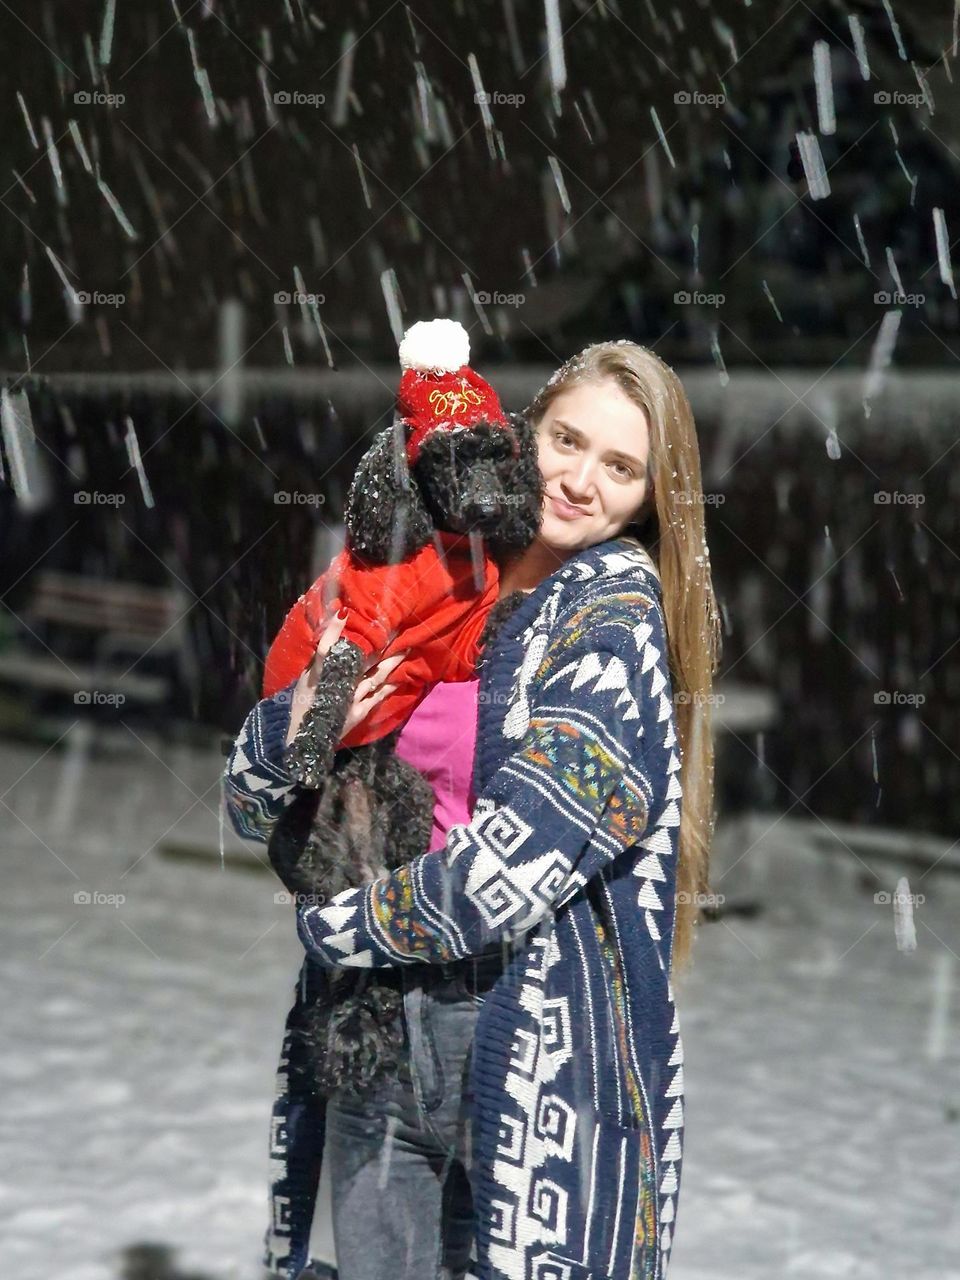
[{"x": 448, "y": 403}]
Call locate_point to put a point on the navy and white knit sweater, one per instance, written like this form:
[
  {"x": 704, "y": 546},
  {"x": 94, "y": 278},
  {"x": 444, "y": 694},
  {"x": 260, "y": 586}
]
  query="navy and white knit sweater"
[{"x": 569, "y": 859}]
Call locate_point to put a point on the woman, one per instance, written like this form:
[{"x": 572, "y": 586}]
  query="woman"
[{"x": 570, "y": 892}]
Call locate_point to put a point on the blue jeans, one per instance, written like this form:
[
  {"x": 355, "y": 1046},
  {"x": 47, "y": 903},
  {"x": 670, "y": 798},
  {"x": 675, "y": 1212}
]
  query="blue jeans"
[{"x": 399, "y": 1156}]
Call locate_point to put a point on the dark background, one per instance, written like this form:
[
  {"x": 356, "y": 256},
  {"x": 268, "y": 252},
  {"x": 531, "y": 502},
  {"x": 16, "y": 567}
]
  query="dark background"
[
  {"x": 207, "y": 193},
  {"x": 397, "y": 171}
]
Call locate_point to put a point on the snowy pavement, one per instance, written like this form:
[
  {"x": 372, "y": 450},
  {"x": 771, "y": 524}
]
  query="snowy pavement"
[{"x": 822, "y": 1067}]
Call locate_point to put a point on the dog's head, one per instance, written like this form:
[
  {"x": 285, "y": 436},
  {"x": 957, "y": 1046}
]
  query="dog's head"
[{"x": 483, "y": 479}]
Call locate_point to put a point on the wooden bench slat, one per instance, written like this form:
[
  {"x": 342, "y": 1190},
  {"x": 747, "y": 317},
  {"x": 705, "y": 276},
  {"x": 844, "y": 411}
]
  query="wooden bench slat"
[{"x": 49, "y": 673}]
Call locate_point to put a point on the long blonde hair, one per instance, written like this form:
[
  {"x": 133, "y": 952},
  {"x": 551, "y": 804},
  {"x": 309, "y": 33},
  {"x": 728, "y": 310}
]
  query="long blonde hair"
[{"x": 670, "y": 525}]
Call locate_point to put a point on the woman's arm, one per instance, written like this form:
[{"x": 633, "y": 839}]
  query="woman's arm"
[
  {"x": 256, "y": 782},
  {"x": 256, "y": 786},
  {"x": 576, "y": 792}
]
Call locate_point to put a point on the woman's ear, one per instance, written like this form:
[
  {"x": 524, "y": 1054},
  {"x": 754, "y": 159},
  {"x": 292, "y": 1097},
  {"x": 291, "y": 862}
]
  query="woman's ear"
[{"x": 386, "y": 519}]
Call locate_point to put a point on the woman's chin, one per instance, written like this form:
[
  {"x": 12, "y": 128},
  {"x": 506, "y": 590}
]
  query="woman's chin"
[{"x": 568, "y": 535}]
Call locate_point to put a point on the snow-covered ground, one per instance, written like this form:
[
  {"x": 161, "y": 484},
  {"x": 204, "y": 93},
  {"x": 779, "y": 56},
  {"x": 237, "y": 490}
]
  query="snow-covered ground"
[{"x": 140, "y": 1039}]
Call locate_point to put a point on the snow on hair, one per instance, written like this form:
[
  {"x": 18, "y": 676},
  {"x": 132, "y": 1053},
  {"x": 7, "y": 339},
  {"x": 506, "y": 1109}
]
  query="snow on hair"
[{"x": 435, "y": 344}]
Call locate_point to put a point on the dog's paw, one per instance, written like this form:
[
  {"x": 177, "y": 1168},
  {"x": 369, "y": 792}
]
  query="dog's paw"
[{"x": 309, "y": 757}]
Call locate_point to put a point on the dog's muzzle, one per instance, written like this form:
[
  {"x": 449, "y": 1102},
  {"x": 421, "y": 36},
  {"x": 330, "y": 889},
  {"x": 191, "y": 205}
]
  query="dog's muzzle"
[{"x": 482, "y": 497}]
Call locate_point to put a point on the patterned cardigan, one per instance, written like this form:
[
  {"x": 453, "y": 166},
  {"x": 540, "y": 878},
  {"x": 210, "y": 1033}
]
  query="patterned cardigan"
[{"x": 568, "y": 867}]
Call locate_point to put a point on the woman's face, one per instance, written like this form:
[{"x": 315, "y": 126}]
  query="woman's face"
[{"x": 594, "y": 445}]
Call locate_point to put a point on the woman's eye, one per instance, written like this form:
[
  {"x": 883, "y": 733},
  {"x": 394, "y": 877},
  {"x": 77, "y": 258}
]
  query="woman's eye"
[
  {"x": 560, "y": 436},
  {"x": 625, "y": 470}
]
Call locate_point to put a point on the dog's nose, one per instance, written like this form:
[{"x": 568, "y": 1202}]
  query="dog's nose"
[
  {"x": 485, "y": 503},
  {"x": 481, "y": 494}
]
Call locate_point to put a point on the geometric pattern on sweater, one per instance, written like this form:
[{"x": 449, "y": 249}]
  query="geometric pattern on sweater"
[
  {"x": 256, "y": 786},
  {"x": 651, "y": 1252},
  {"x": 568, "y": 800},
  {"x": 591, "y": 771},
  {"x": 528, "y": 1184},
  {"x": 645, "y": 1241},
  {"x": 297, "y": 1127}
]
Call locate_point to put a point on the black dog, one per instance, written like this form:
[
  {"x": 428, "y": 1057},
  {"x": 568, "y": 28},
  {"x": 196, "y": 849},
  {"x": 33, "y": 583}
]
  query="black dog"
[{"x": 364, "y": 811}]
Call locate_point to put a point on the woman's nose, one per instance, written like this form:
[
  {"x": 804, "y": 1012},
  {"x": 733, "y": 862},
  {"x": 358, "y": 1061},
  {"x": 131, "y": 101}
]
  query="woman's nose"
[{"x": 579, "y": 480}]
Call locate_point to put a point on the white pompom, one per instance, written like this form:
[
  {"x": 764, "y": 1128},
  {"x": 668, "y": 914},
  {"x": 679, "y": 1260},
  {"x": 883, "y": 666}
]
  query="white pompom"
[{"x": 443, "y": 345}]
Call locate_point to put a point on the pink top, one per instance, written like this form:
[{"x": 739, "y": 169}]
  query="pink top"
[{"x": 440, "y": 739}]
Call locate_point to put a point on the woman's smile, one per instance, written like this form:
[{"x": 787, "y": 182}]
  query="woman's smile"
[{"x": 564, "y": 509}]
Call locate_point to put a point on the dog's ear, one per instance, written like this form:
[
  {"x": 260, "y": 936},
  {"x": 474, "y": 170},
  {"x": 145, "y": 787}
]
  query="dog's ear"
[{"x": 386, "y": 519}]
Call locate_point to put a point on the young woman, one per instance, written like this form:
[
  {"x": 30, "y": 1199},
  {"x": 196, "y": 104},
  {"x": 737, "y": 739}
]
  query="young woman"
[{"x": 536, "y": 940}]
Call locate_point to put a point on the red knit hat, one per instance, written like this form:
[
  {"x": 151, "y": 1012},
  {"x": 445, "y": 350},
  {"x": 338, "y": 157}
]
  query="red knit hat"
[{"x": 438, "y": 388}]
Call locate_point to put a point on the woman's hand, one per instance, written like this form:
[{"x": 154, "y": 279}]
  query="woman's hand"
[{"x": 370, "y": 687}]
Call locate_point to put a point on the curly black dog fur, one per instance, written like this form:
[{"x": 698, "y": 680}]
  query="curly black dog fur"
[
  {"x": 461, "y": 481},
  {"x": 364, "y": 811},
  {"x": 372, "y": 814}
]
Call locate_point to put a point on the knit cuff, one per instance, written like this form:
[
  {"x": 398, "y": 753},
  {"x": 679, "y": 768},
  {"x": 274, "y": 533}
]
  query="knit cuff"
[{"x": 274, "y": 720}]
